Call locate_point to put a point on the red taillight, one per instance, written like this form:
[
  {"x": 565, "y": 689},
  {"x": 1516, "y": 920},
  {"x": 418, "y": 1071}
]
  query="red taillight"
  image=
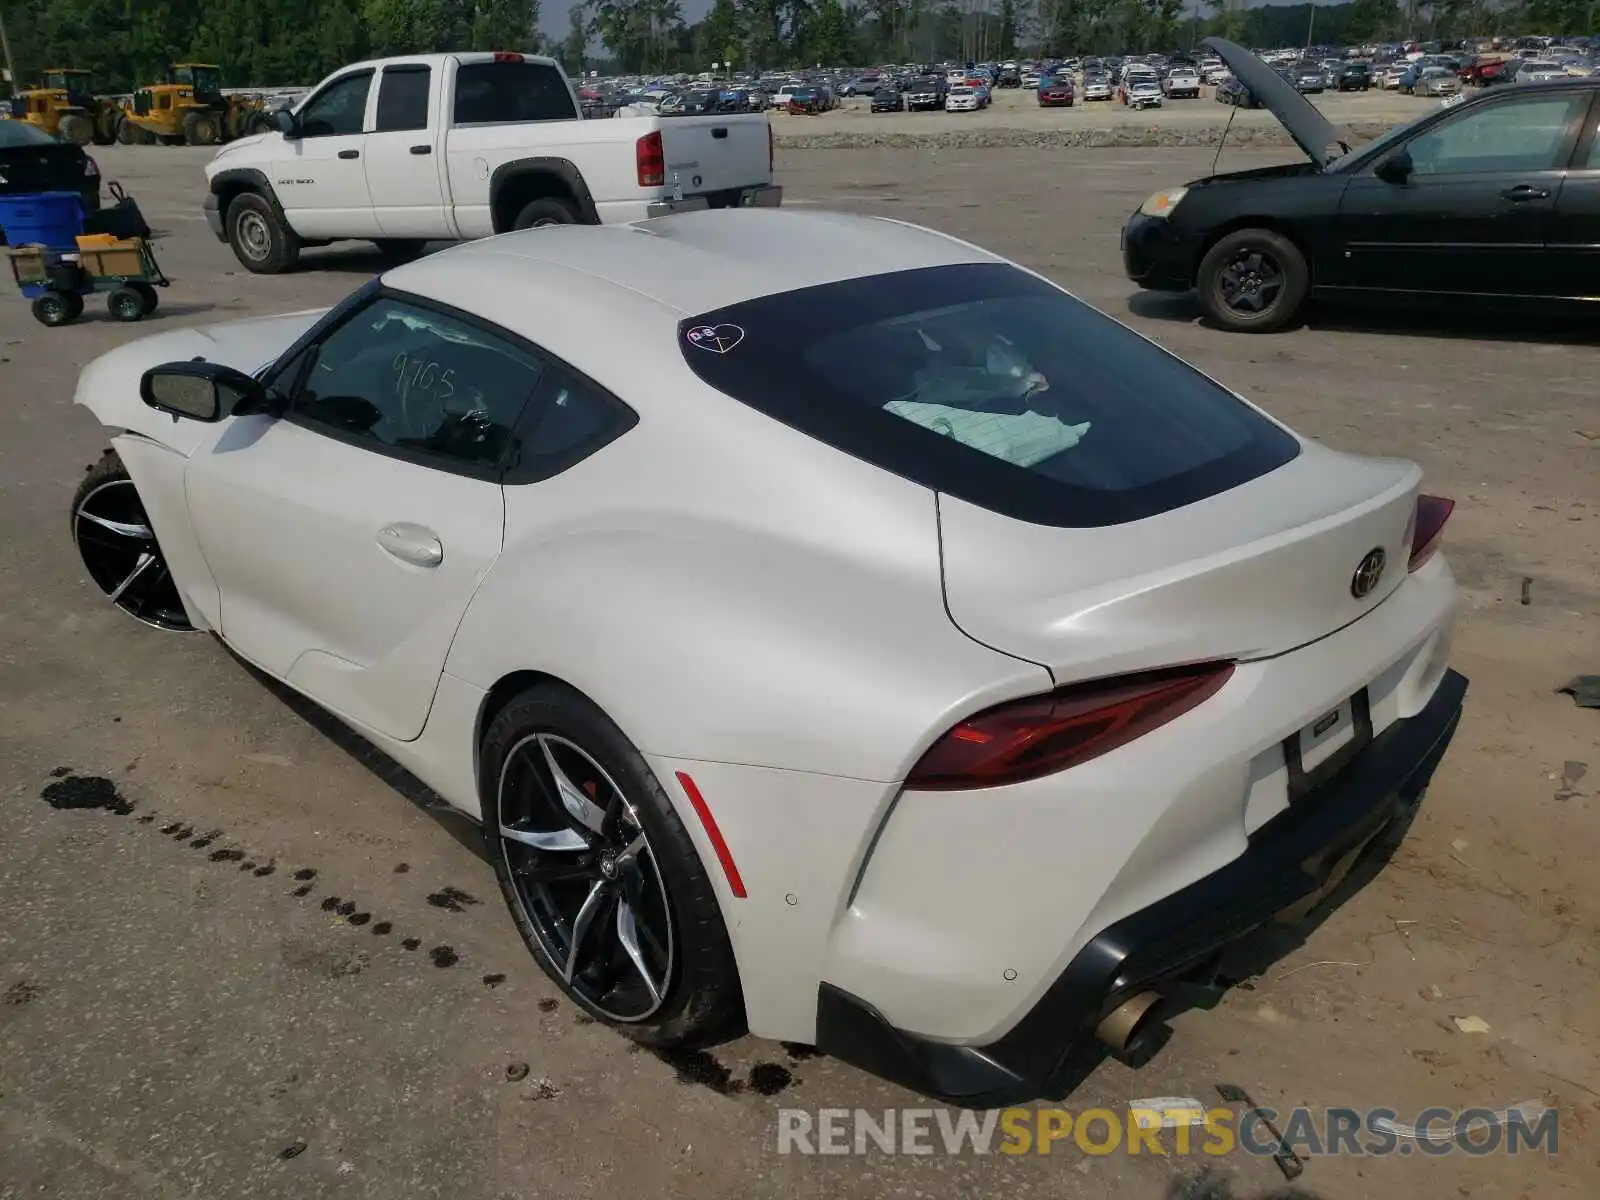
[
  {"x": 91, "y": 169},
  {"x": 1044, "y": 734},
  {"x": 651, "y": 160},
  {"x": 510, "y": 56},
  {"x": 1427, "y": 527}
]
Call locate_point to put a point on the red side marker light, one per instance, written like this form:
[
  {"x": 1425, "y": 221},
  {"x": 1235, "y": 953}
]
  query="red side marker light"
[{"x": 709, "y": 823}]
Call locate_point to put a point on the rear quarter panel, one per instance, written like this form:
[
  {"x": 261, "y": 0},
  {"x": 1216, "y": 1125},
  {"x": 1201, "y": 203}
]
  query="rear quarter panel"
[{"x": 601, "y": 151}]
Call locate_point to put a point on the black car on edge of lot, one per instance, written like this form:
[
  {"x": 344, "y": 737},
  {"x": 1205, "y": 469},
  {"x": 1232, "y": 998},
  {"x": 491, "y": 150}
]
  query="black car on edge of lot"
[
  {"x": 33, "y": 161},
  {"x": 1353, "y": 77},
  {"x": 1490, "y": 203},
  {"x": 888, "y": 99}
]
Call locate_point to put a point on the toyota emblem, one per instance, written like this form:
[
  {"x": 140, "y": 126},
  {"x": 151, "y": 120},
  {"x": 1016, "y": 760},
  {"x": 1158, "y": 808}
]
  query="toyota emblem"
[{"x": 1368, "y": 572}]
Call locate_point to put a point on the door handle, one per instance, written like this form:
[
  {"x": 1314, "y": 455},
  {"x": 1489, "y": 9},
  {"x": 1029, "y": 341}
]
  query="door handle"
[
  {"x": 721, "y": 131},
  {"x": 410, "y": 543},
  {"x": 422, "y": 149},
  {"x": 1524, "y": 191},
  {"x": 349, "y": 154}
]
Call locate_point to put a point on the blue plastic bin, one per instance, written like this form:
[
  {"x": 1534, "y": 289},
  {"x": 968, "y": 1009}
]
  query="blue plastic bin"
[{"x": 46, "y": 218}]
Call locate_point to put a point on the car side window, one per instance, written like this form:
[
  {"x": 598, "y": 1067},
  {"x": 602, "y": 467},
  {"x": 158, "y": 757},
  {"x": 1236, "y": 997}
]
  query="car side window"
[
  {"x": 569, "y": 419},
  {"x": 1592, "y": 160},
  {"x": 398, "y": 377},
  {"x": 338, "y": 109},
  {"x": 1526, "y": 134},
  {"x": 403, "y": 98}
]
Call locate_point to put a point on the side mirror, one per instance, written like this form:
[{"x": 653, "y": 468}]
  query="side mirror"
[
  {"x": 203, "y": 391},
  {"x": 1397, "y": 168},
  {"x": 286, "y": 123}
]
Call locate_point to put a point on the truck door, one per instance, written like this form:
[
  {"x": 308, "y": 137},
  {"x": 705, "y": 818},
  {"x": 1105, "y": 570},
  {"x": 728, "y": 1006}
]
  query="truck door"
[{"x": 401, "y": 158}]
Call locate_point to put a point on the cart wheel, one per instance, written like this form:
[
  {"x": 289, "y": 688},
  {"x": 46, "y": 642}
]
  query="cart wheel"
[
  {"x": 147, "y": 293},
  {"x": 125, "y": 304},
  {"x": 57, "y": 308}
]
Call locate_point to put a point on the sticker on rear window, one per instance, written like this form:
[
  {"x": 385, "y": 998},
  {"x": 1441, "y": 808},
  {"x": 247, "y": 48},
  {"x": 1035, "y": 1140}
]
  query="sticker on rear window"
[{"x": 719, "y": 339}]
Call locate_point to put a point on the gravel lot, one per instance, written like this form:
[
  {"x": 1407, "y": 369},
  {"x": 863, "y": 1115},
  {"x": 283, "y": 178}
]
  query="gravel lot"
[
  {"x": 1015, "y": 119},
  {"x": 322, "y": 1016}
]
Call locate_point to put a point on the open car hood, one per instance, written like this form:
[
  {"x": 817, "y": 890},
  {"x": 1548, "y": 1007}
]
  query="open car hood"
[{"x": 1311, "y": 131}]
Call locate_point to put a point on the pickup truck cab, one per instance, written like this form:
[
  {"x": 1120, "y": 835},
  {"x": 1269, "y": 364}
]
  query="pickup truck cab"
[{"x": 447, "y": 147}]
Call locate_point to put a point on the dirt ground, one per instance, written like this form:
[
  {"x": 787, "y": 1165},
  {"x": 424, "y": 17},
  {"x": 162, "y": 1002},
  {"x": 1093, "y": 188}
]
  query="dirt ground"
[{"x": 344, "y": 1010}]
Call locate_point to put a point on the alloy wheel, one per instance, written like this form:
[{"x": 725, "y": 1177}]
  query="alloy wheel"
[
  {"x": 1251, "y": 282},
  {"x": 118, "y": 546},
  {"x": 585, "y": 877}
]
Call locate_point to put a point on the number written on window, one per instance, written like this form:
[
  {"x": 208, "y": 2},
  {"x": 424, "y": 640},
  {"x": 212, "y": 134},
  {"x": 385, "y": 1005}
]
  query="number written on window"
[{"x": 414, "y": 374}]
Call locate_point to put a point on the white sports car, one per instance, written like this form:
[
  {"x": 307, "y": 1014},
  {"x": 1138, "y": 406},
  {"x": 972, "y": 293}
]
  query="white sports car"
[{"x": 840, "y": 631}]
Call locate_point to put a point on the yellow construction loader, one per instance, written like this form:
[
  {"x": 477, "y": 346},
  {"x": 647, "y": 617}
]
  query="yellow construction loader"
[
  {"x": 65, "y": 105},
  {"x": 189, "y": 108}
]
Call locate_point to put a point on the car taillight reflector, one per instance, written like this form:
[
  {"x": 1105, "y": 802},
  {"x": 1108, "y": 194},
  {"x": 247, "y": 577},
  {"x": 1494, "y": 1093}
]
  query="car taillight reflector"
[
  {"x": 1427, "y": 528},
  {"x": 1044, "y": 734},
  {"x": 651, "y": 159},
  {"x": 510, "y": 56}
]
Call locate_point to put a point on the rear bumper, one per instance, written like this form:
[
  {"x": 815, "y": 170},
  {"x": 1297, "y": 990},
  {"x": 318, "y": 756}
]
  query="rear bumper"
[
  {"x": 1290, "y": 861},
  {"x": 768, "y": 195}
]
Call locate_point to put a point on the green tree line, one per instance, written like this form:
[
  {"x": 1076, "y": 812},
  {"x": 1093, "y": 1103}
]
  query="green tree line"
[
  {"x": 298, "y": 41},
  {"x": 127, "y": 43}
]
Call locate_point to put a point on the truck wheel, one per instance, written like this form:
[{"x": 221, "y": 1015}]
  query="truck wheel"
[
  {"x": 129, "y": 134},
  {"x": 200, "y": 129},
  {"x": 538, "y": 213},
  {"x": 77, "y": 129},
  {"x": 402, "y": 250},
  {"x": 260, "y": 241}
]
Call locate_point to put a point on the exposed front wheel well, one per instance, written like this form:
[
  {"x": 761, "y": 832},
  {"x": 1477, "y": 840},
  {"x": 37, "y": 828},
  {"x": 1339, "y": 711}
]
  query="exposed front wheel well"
[{"x": 522, "y": 190}]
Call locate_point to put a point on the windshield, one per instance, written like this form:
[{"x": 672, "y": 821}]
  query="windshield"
[
  {"x": 988, "y": 383},
  {"x": 14, "y": 134}
]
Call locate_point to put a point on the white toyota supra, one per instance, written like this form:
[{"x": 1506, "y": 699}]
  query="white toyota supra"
[{"x": 841, "y": 632}]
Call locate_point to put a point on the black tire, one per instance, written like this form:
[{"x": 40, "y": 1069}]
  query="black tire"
[
  {"x": 57, "y": 308},
  {"x": 147, "y": 294},
  {"x": 77, "y": 129},
  {"x": 125, "y": 304},
  {"x": 129, "y": 134},
  {"x": 261, "y": 242},
  {"x": 1253, "y": 281},
  {"x": 111, "y": 552},
  {"x": 400, "y": 249},
  {"x": 201, "y": 129},
  {"x": 700, "y": 1001},
  {"x": 545, "y": 212}
]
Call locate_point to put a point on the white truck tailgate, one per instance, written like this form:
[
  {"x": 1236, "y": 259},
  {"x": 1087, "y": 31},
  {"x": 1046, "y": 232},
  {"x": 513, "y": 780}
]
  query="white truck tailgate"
[{"x": 716, "y": 153}]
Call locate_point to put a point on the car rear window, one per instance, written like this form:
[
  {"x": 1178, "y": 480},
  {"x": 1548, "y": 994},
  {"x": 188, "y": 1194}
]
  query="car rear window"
[
  {"x": 14, "y": 134},
  {"x": 497, "y": 93},
  {"x": 990, "y": 384}
]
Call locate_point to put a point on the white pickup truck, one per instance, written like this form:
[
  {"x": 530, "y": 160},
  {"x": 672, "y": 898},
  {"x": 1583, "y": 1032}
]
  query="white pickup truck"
[{"x": 446, "y": 147}]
